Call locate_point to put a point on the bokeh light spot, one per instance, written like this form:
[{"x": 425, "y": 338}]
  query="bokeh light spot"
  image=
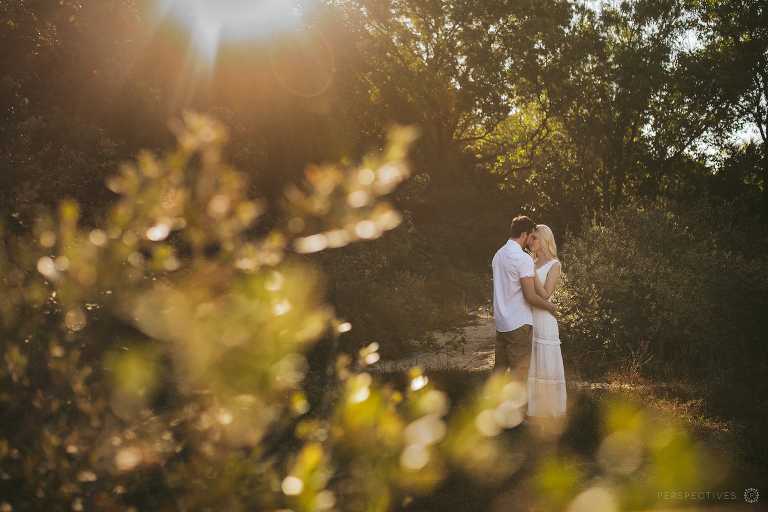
[{"x": 292, "y": 486}]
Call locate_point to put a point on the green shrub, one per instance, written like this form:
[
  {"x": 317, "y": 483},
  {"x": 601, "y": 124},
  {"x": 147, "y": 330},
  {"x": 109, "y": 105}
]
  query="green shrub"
[
  {"x": 394, "y": 289},
  {"x": 650, "y": 288}
]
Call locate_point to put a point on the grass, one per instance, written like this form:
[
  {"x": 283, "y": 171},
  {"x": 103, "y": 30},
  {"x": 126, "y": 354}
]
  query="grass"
[{"x": 688, "y": 404}]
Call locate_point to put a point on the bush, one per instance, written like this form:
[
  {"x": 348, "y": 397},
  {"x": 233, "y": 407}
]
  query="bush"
[
  {"x": 656, "y": 289},
  {"x": 680, "y": 295},
  {"x": 396, "y": 289}
]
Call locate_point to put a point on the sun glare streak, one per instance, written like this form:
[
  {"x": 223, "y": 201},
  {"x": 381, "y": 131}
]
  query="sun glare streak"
[{"x": 212, "y": 22}]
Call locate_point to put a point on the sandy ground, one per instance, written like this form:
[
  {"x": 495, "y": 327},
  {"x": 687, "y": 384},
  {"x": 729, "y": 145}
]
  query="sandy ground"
[{"x": 470, "y": 348}]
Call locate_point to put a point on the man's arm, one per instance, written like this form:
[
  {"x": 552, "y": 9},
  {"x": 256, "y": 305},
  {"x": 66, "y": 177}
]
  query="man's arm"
[{"x": 529, "y": 292}]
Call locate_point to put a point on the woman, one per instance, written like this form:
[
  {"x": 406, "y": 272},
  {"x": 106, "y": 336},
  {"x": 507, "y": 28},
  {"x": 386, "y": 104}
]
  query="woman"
[{"x": 546, "y": 375}]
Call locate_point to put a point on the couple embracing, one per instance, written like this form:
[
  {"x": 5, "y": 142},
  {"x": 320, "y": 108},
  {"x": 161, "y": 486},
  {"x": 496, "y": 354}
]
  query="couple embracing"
[{"x": 524, "y": 316}]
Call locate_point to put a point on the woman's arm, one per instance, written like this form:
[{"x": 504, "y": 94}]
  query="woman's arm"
[
  {"x": 540, "y": 291},
  {"x": 532, "y": 297},
  {"x": 546, "y": 290}
]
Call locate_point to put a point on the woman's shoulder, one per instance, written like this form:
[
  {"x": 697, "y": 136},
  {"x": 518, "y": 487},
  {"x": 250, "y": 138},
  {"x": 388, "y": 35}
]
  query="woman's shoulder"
[{"x": 554, "y": 262}]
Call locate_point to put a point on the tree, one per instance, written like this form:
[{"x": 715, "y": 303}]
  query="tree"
[
  {"x": 619, "y": 60},
  {"x": 730, "y": 70},
  {"x": 588, "y": 140},
  {"x": 456, "y": 69}
]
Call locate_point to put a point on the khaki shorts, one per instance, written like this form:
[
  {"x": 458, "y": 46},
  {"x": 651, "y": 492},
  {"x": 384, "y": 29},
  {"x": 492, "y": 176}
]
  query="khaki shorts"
[{"x": 513, "y": 350}]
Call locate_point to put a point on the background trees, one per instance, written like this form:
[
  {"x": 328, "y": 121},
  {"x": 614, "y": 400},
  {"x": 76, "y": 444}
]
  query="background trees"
[
  {"x": 731, "y": 66},
  {"x": 559, "y": 109}
]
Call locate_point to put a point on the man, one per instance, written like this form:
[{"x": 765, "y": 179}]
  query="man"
[{"x": 513, "y": 296}]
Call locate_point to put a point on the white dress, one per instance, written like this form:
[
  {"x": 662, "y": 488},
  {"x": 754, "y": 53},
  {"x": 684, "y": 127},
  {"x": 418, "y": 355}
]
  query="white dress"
[{"x": 546, "y": 375}]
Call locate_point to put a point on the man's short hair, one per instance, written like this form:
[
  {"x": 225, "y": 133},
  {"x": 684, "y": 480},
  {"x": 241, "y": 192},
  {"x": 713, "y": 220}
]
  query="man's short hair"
[{"x": 521, "y": 224}]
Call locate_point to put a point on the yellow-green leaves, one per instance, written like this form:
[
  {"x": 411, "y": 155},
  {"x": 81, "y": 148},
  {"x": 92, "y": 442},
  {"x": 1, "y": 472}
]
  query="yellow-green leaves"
[
  {"x": 335, "y": 207},
  {"x": 305, "y": 484},
  {"x": 474, "y": 442}
]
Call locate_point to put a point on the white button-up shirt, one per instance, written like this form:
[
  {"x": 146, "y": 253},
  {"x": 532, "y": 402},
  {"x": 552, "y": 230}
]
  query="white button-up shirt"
[{"x": 510, "y": 309}]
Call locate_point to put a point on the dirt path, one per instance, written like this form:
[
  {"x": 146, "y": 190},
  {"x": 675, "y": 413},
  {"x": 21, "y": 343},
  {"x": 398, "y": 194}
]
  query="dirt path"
[{"x": 469, "y": 348}]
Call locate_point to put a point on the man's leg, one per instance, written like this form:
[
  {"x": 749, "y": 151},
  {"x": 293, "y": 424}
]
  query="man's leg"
[
  {"x": 502, "y": 359},
  {"x": 518, "y": 351}
]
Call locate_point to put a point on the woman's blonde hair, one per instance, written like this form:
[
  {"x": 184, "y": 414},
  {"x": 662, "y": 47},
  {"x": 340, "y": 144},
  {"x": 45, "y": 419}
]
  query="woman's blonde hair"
[{"x": 544, "y": 233}]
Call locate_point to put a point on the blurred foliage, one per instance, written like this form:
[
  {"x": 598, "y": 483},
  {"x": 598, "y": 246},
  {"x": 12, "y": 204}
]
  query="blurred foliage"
[
  {"x": 160, "y": 360},
  {"x": 171, "y": 319}
]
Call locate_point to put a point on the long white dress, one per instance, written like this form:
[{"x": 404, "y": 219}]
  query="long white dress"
[{"x": 546, "y": 375}]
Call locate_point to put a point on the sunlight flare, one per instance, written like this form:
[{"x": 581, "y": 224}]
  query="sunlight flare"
[{"x": 212, "y": 22}]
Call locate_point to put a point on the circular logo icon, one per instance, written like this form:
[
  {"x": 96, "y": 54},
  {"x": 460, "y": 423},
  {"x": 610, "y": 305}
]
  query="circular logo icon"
[{"x": 751, "y": 495}]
